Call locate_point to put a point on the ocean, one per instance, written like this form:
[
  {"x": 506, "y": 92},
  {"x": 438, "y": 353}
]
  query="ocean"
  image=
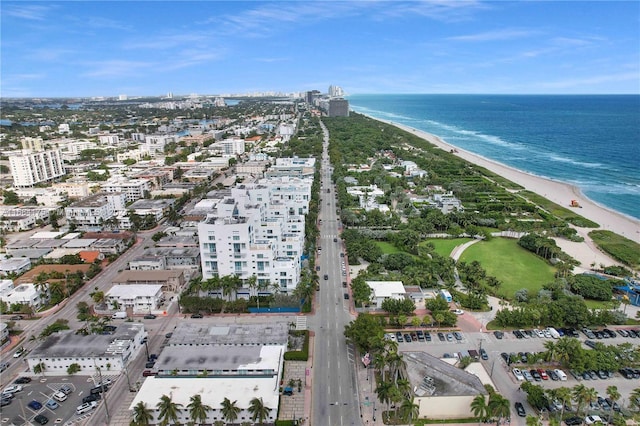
[{"x": 590, "y": 141}]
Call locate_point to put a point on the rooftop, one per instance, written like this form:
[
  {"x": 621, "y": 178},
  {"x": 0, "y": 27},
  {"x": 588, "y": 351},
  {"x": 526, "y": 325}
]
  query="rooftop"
[
  {"x": 190, "y": 333},
  {"x": 134, "y": 290},
  {"x": 70, "y": 345},
  {"x": 211, "y": 390},
  {"x": 159, "y": 275},
  {"x": 252, "y": 359},
  {"x": 445, "y": 379}
]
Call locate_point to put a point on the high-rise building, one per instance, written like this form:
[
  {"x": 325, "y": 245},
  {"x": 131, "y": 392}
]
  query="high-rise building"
[
  {"x": 338, "y": 108},
  {"x": 335, "y": 91},
  {"x": 31, "y": 168}
]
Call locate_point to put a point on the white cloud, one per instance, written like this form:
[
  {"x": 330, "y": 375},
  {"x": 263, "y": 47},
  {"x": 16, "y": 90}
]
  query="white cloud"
[
  {"x": 505, "y": 34},
  {"x": 30, "y": 12},
  {"x": 116, "y": 68}
]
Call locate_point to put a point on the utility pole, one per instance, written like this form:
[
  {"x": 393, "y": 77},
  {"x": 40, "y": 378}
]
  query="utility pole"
[{"x": 102, "y": 387}]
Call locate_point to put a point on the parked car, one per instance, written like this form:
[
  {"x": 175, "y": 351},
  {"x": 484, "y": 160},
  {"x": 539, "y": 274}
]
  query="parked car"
[
  {"x": 552, "y": 375},
  {"x": 457, "y": 335},
  {"x": 407, "y": 337},
  {"x": 86, "y": 407},
  {"x": 41, "y": 419},
  {"x": 197, "y": 316},
  {"x": 5, "y": 401},
  {"x": 427, "y": 336},
  {"x": 450, "y": 337},
  {"x": 420, "y": 335},
  {"x": 12, "y": 389},
  {"x": 520, "y": 409},
  {"x": 592, "y": 419},
  {"x": 573, "y": 421},
  {"x": 518, "y": 374},
  {"x": 22, "y": 380},
  {"x": 441, "y": 337},
  {"x": 527, "y": 376},
  {"x": 399, "y": 337},
  {"x": 66, "y": 389},
  {"x": 543, "y": 374},
  {"x": 51, "y": 404},
  {"x": 90, "y": 398},
  {"x": 149, "y": 316},
  {"x": 483, "y": 354},
  {"x": 499, "y": 334},
  {"x": 536, "y": 376},
  {"x": 34, "y": 405}
]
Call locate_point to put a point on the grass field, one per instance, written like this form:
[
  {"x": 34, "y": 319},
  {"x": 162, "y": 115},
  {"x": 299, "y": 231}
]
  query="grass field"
[
  {"x": 387, "y": 248},
  {"x": 512, "y": 265},
  {"x": 444, "y": 246}
]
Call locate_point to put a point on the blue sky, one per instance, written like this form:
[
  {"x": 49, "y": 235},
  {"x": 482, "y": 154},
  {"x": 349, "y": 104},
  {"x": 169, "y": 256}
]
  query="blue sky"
[{"x": 82, "y": 48}]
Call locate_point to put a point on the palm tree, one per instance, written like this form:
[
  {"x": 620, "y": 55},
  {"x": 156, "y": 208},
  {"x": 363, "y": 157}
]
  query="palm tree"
[
  {"x": 612, "y": 392},
  {"x": 562, "y": 394},
  {"x": 258, "y": 410},
  {"x": 479, "y": 407},
  {"x": 583, "y": 395},
  {"x": 229, "y": 410},
  {"x": 141, "y": 415},
  {"x": 409, "y": 410},
  {"x": 384, "y": 392},
  {"x": 533, "y": 421},
  {"x": 197, "y": 410},
  {"x": 499, "y": 407},
  {"x": 634, "y": 399},
  {"x": 169, "y": 411},
  {"x": 551, "y": 348}
]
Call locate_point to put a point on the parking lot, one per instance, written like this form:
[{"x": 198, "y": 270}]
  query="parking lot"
[
  {"x": 36, "y": 404},
  {"x": 501, "y": 373}
]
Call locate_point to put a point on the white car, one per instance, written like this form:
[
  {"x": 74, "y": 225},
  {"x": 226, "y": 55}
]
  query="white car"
[
  {"x": 458, "y": 311},
  {"x": 86, "y": 407},
  {"x": 539, "y": 333},
  {"x": 12, "y": 389},
  {"x": 518, "y": 374},
  {"x": 592, "y": 419}
]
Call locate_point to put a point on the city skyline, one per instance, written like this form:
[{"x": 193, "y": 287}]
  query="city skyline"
[{"x": 81, "y": 49}]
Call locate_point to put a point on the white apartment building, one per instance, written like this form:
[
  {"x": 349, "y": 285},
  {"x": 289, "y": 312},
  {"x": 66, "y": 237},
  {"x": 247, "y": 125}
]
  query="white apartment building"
[
  {"x": 29, "y": 169},
  {"x": 233, "y": 146},
  {"x": 24, "y": 294},
  {"x": 155, "y": 143},
  {"x": 93, "y": 211},
  {"x": 239, "y": 239},
  {"x": 134, "y": 189},
  {"x": 300, "y": 167},
  {"x": 109, "y": 139},
  {"x": 73, "y": 189},
  {"x": 44, "y": 196},
  {"x": 111, "y": 353},
  {"x": 140, "y": 298}
]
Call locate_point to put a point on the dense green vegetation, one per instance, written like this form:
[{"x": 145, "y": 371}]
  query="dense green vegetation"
[
  {"x": 619, "y": 247},
  {"x": 559, "y": 211}
]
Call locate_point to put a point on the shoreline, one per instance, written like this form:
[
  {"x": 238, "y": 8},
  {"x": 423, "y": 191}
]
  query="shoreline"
[{"x": 560, "y": 193}]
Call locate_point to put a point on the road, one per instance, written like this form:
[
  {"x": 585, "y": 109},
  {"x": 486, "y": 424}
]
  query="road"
[{"x": 335, "y": 399}]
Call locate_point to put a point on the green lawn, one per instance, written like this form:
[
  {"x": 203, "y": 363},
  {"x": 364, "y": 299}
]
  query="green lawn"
[
  {"x": 444, "y": 246},
  {"x": 512, "y": 265},
  {"x": 387, "y": 248}
]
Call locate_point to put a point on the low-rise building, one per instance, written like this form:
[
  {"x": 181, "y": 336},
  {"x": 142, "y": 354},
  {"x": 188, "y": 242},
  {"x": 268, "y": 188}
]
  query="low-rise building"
[
  {"x": 140, "y": 298},
  {"x": 169, "y": 280},
  {"x": 134, "y": 189},
  {"x": 94, "y": 211},
  {"x": 15, "y": 265},
  {"x": 383, "y": 290},
  {"x": 25, "y": 294},
  {"x": 108, "y": 352}
]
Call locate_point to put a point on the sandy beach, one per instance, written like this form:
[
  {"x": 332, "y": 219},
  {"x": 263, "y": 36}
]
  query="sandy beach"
[{"x": 558, "y": 192}]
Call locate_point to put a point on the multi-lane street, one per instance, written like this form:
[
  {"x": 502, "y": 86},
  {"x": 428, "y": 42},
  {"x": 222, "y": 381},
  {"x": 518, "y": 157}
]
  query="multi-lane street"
[{"x": 335, "y": 400}]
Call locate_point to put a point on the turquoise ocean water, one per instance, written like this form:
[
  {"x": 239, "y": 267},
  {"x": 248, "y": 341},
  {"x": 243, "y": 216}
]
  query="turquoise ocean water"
[{"x": 591, "y": 141}]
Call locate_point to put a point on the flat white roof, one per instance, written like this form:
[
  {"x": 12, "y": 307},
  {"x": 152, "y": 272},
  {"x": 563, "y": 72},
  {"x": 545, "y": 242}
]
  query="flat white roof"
[
  {"x": 72, "y": 235},
  {"x": 212, "y": 390},
  {"x": 386, "y": 288},
  {"x": 134, "y": 290},
  {"x": 216, "y": 357},
  {"x": 46, "y": 235}
]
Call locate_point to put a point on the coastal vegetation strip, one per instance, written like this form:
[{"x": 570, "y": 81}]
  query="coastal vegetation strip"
[
  {"x": 559, "y": 211},
  {"x": 619, "y": 247}
]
